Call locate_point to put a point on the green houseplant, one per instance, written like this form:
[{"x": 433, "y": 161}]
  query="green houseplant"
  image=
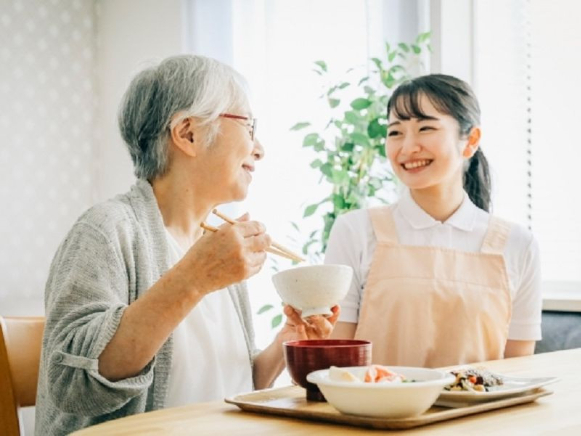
[
  {"x": 351, "y": 148},
  {"x": 350, "y": 152}
]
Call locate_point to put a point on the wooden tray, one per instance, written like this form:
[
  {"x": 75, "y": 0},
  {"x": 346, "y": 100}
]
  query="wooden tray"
[{"x": 291, "y": 402}]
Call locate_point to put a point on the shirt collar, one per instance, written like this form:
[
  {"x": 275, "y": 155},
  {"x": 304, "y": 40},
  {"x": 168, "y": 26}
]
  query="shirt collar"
[{"x": 462, "y": 219}]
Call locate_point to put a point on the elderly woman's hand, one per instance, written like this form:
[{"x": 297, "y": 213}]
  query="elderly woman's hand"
[
  {"x": 313, "y": 327},
  {"x": 232, "y": 254}
]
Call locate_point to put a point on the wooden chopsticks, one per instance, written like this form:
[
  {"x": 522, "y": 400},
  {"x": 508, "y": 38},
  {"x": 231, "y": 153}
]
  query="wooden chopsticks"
[{"x": 274, "y": 248}]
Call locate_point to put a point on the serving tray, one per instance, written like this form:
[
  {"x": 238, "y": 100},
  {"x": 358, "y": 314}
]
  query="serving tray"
[{"x": 291, "y": 402}]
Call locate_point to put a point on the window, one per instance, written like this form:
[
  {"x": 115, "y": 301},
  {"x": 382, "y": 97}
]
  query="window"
[
  {"x": 526, "y": 70},
  {"x": 274, "y": 44}
]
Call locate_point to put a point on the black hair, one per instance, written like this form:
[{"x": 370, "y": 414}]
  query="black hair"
[{"x": 453, "y": 97}]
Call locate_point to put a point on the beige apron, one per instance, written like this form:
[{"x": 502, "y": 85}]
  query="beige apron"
[{"x": 430, "y": 306}]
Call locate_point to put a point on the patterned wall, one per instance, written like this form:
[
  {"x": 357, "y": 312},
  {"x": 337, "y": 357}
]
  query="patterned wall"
[{"x": 47, "y": 113}]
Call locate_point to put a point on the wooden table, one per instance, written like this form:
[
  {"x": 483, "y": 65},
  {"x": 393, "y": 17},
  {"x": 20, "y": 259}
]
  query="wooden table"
[{"x": 557, "y": 414}]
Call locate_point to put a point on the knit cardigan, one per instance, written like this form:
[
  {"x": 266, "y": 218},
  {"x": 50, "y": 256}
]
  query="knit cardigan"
[{"x": 113, "y": 254}]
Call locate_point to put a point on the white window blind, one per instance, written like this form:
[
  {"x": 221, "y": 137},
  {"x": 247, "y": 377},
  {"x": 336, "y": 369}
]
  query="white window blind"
[{"x": 527, "y": 60}]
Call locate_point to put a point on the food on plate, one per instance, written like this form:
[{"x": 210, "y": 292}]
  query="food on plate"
[
  {"x": 381, "y": 374},
  {"x": 474, "y": 380},
  {"x": 373, "y": 374},
  {"x": 340, "y": 374}
]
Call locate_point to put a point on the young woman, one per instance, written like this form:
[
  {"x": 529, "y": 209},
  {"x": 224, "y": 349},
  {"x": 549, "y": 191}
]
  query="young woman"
[{"x": 438, "y": 280}]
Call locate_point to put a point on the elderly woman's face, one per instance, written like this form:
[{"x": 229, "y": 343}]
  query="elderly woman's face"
[{"x": 231, "y": 159}]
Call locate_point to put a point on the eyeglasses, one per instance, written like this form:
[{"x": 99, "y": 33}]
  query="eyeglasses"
[{"x": 251, "y": 125}]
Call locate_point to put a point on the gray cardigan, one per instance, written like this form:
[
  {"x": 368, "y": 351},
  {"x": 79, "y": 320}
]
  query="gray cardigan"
[{"x": 113, "y": 254}]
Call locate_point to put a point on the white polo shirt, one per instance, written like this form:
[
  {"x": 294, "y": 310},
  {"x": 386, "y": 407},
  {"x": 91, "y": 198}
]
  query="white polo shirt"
[{"x": 352, "y": 242}]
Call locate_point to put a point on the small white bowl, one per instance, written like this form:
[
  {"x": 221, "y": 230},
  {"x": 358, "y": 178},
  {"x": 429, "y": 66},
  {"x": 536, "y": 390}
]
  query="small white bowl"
[
  {"x": 383, "y": 400},
  {"x": 313, "y": 289}
]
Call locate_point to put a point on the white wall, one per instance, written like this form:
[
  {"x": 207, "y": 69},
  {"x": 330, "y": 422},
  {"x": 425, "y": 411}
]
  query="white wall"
[
  {"x": 452, "y": 38},
  {"x": 47, "y": 120},
  {"x": 130, "y": 35},
  {"x": 63, "y": 69}
]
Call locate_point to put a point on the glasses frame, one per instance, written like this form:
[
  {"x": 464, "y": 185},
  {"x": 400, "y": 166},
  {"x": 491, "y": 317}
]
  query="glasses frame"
[{"x": 252, "y": 123}]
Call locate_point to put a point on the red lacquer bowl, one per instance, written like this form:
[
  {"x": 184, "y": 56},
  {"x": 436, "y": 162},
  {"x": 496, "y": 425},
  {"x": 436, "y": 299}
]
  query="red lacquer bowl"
[{"x": 303, "y": 357}]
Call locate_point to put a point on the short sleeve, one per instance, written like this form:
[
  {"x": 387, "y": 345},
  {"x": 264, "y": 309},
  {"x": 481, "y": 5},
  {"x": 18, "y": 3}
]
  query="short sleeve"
[
  {"x": 525, "y": 323},
  {"x": 345, "y": 247}
]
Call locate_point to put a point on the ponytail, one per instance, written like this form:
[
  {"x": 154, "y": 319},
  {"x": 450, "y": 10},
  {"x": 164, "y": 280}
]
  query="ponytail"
[{"x": 477, "y": 181}]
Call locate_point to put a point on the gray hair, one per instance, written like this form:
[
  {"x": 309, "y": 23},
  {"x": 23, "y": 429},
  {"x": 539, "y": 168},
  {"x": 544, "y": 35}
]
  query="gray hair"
[{"x": 160, "y": 96}]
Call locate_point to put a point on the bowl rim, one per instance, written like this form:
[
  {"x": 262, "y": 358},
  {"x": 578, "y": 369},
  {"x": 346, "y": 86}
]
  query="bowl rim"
[
  {"x": 332, "y": 343},
  {"x": 316, "y": 377},
  {"x": 305, "y": 267}
]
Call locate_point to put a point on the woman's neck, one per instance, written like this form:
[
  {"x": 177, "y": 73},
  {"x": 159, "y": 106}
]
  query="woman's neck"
[
  {"x": 181, "y": 207},
  {"x": 440, "y": 202}
]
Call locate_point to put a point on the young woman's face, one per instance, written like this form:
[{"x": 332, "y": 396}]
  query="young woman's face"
[{"x": 428, "y": 152}]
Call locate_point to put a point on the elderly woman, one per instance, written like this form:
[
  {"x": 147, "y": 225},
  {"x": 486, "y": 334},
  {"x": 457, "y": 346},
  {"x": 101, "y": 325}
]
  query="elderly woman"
[{"x": 143, "y": 310}]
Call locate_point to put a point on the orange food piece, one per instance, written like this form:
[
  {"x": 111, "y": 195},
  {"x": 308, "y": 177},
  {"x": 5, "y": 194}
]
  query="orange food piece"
[{"x": 377, "y": 373}]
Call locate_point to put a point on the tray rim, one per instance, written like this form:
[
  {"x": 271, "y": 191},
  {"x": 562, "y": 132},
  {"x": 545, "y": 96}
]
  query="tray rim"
[{"x": 335, "y": 417}]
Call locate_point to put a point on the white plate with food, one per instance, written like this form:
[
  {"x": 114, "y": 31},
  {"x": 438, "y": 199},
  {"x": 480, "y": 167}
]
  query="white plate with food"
[{"x": 474, "y": 385}]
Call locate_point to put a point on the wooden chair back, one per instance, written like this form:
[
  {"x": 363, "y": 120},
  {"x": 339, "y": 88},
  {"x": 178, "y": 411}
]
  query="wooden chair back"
[{"x": 20, "y": 346}]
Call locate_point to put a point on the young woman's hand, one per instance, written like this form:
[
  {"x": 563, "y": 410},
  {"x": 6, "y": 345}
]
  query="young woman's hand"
[{"x": 313, "y": 327}]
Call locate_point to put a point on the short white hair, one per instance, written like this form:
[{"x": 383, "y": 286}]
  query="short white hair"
[{"x": 163, "y": 95}]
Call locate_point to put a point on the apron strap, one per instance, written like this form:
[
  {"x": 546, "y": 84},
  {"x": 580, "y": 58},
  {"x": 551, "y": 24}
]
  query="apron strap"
[
  {"x": 383, "y": 224},
  {"x": 496, "y": 236}
]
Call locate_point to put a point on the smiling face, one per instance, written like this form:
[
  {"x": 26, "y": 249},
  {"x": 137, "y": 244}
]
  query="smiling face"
[
  {"x": 427, "y": 152},
  {"x": 228, "y": 163}
]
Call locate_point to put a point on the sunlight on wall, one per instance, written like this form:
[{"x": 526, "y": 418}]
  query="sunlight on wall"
[{"x": 276, "y": 51}]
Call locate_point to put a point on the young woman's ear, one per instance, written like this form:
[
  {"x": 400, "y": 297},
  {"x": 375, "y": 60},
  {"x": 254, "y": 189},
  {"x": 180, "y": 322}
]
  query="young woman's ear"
[
  {"x": 182, "y": 135},
  {"x": 472, "y": 143}
]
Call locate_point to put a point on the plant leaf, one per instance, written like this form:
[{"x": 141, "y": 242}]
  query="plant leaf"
[
  {"x": 326, "y": 169},
  {"x": 301, "y": 125},
  {"x": 382, "y": 152},
  {"x": 311, "y": 209},
  {"x": 404, "y": 47},
  {"x": 265, "y": 308},
  {"x": 338, "y": 201},
  {"x": 339, "y": 177},
  {"x": 311, "y": 139},
  {"x": 348, "y": 146},
  {"x": 322, "y": 65},
  {"x": 352, "y": 117},
  {"x": 276, "y": 321},
  {"x": 365, "y": 79},
  {"x": 360, "y": 138},
  {"x": 423, "y": 37},
  {"x": 334, "y": 102},
  {"x": 377, "y": 63},
  {"x": 376, "y": 130},
  {"x": 316, "y": 163},
  {"x": 360, "y": 103},
  {"x": 416, "y": 49},
  {"x": 331, "y": 90}
]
